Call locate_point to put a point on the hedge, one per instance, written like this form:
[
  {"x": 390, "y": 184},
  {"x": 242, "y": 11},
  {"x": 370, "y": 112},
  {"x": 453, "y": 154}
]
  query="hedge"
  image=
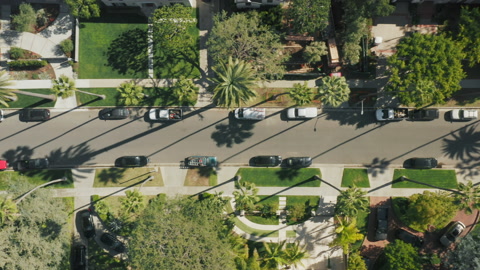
[{"x": 27, "y": 64}]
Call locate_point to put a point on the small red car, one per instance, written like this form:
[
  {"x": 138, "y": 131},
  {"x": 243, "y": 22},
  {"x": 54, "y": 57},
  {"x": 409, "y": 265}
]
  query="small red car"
[{"x": 3, "y": 164}]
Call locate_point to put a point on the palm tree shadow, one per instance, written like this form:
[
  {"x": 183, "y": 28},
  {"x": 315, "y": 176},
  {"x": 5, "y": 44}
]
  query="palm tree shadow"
[
  {"x": 111, "y": 175},
  {"x": 287, "y": 173}
]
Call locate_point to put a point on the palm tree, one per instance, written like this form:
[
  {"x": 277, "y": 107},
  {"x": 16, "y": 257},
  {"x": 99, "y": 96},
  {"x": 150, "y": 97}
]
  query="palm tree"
[
  {"x": 334, "y": 91},
  {"x": 185, "y": 91},
  {"x": 301, "y": 94},
  {"x": 63, "y": 87},
  {"x": 8, "y": 211},
  {"x": 133, "y": 202},
  {"x": 347, "y": 234},
  {"x": 6, "y": 94},
  {"x": 234, "y": 83},
  {"x": 467, "y": 197},
  {"x": 274, "y": 255},
  {"x": 295, "y": 254},
  {"x": 350, "y": 201},
  {"x": 246, "y": 196},
  {"x": 130, "y": 93}
]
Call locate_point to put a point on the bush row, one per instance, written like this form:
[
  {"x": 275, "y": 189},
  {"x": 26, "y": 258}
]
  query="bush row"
[{"x": 27, "y": 64}]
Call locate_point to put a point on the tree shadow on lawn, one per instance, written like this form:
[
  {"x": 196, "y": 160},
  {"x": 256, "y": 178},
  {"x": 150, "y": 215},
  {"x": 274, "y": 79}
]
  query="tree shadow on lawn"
[
  {"x": 128, "y": 53},
  {"x": 173, "y": 64},
  {"x": 111, "y": 175},
  {"x": 287, "y": 173}
]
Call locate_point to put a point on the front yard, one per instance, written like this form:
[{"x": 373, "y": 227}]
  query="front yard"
[{"x": 280, "y": 177}]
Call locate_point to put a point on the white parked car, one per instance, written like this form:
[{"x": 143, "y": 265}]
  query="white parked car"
[
  {"x": 2, "y": 115},
  {"x": 302, "y": 113},
  {"x": 459, "y": 114},
  {"x": 452, "y": 233}
]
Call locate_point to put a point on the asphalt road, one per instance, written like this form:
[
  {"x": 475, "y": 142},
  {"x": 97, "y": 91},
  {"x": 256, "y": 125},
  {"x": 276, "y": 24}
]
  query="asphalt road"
[{"x": 79, "y": 138}]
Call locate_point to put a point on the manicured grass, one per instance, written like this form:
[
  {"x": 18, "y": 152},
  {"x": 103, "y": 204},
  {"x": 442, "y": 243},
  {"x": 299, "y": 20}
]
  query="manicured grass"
[
  {"x": 161, "y": 96},
  {"x": 309, "y": 201},
  {"x": 267, "y": 200},
  {"x": 113, "y": 46},
  {"x": 440, "y": 178},
  {"x": 252, "y": 231},
  {"x": 357, "y": 177},
  {"x": 24, "y": 101},
  {"x": 280, "y": 177},
  {"x": 37, "y": 178},
  {"x": 263, "y": 220},
  {"x": 121, "y": 177}
]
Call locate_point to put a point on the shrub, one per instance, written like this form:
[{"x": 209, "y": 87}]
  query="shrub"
[
  {"x": 26, "y": 19},
  {"x": 35, "y": 76},
  {"x": 269, "y": 210},
  {"x": 67, "y": 46},
  {"x": 27, "y": 64},
  {"x": 42, "y": 17},
  {"x": 297, "y": 213},
  {"x": 16, "y": 53}
]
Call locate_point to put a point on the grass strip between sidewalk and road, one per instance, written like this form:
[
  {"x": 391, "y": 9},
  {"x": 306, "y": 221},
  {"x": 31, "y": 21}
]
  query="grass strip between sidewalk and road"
[
  {"x": 439, "y": 178},
  {"x": 24, "y": 101},
  {"x": 124, "y": 177},
  {"x": 38, "y": 177},
  {"x": 280, "y": 177},
  {"x": 355, "y": 177}
]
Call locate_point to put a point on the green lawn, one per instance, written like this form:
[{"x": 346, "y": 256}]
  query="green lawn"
[
  {"x": 113, "y": 46},
  {"x": 161, "y": 96},
  {"x": 37, "y": 178},
  {"x": 24, "y": 101},
  {"x": 122, "y": 177},
  {"x": 440, "y": 178},
  {"x": 252, "y": 231},
  {"x": 311, "y": 201},
  {"x": 280, "y": 177},
  {"x": 263, "y": 220},
  {"x": 357, "y": 177}
]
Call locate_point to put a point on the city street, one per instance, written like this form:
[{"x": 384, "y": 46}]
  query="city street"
[{"x": 79, "y": 138}]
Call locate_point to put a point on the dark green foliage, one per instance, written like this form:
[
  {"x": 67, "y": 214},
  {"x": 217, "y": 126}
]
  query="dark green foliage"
[
  {"x": 425, "y": 58},
  {"x": 401, "y": 256},
  {"x": 297, "y": 213},
  {"x": 67, "y": 46},
  {"x": 465, "y": 255},
  {"x": 84, "y": 9},
  {"x": 27, "y": 64},
  {"x": 272, "y": 17},
  {"x": 469, "y": 36},
  {"x": 16, "y": 53},
  {"x": 355, "y": 261},
  {"x": 308, "y": 16},
  {"x": 26, "y": 19}
]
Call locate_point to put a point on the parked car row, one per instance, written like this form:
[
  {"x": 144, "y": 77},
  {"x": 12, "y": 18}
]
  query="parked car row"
[{"x": 398, "y": 114}]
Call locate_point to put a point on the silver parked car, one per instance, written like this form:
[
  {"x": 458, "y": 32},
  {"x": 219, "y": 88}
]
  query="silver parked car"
[{"x": 452, "y": 233}]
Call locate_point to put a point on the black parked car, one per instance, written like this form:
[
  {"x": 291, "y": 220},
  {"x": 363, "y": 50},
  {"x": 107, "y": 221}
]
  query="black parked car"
[
  {"x": 420, "y": 163},
  {"x": 266, "y": 161},
  {"x": 88, "y": 226},
  {"x": 298, "y": 162},
  {"x": 114, "y": 113},
  {"x": 28, "y": 115},
  {"x": 33, "y": 164},
  {"x": 112, "y": 242},
  {"x": 80, "y": 258},
  {"x": 409, "y": 238},
  {"x": 132, "y": 161},
  {"x": 424, "y": 114},
  {"x": 382, "y": 223}
]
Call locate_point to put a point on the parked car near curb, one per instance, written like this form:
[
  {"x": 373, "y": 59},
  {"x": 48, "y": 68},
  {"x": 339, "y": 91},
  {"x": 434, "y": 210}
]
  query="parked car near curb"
[
  {"x": 132, "y": 161},
  {"x": 28, "y": 115},
  {"x": 298, "y": 162},
  {"x": 464, "y": 115},
  {"x": 421, "y": 163},
  {"x": 302, "y": 113},
  {"x": 114, "y": 113},
  {"x": 424, "y": 114},
  {"x": 33, "y": 164},
  {"x": 266, "y": 161},
  {"x": 452, "y": 233}
]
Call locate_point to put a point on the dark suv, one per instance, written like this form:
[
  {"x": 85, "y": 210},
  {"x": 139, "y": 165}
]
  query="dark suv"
[
  {"x": 88, "y": 226},
  {"x": 266, "y": 161},
  {"x": 28, "y": 115},
  {"x": 80, "y": 258},
  {"x": 33, "y": 164}
]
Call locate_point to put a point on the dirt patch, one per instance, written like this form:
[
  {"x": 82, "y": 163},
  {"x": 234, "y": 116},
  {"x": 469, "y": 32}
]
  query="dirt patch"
[
  {"x": 44, "y": 73},
  {"x": 198, "y": 177}
]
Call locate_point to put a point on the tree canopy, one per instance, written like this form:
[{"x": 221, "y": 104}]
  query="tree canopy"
[
  {"x": 433, "y": 58},
  {"x": 468, "y": 35},
  {"x": 242, "y": 36},
  {"x": 334, "y": 91},
  {"x": 350, "y": 201},
  {"x": 401, "y": 256},
  {"x": 308, "y": 16},
  {"x": 84, "y": 9},
  {"x": 181, "y": 233},
  {"x": 37, "y": 238},
  {"x": 465, "y": 255}
]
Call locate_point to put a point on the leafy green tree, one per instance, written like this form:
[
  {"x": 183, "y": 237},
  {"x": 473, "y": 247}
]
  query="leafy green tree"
[
  {"x": 301, "y": 94},
  {"x": 6, "y": 94},
  {"x": 84, "y": 9},
  {"x": 426, "y": 93},
  {"x": 297, "y": 212},
  {"x": 350, "y": 201},
  {"x": 401, "y": 256},
  {"x": 63, "y": 87},
  {"x": 308, "y": 16},
  {"x": 39, "y": 235},
  {"x": 334, "y": 91},
  {"x": 67, "y": 46},
  {"x": 314, "y": 51},
  {"x": 170, "y": 26},
  {"x": 134, "y": 202},
  {"x": 355, "y": 261},
  {"x": 130, "y": 93},
  {"x": 246, "y": 195},
  {"x": 183, "y": 234},
  {"x": 469, "y": 36},
  {"x": 433, "y": 58},
  {"x": 8, "y": 211},
  {"x": 185, "y": 91},
  {"x": 430, "y": 208},
  {"x": 467, "y": 197},
  {"x": 273, "y": 255},
  {"x": 465, "y": 255},
  {"x": 242, "y": 36},
  {"x": 347, "y": 233},
  {"x": 26, "y": 19},
  {"x": 234, "y": 83}
]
